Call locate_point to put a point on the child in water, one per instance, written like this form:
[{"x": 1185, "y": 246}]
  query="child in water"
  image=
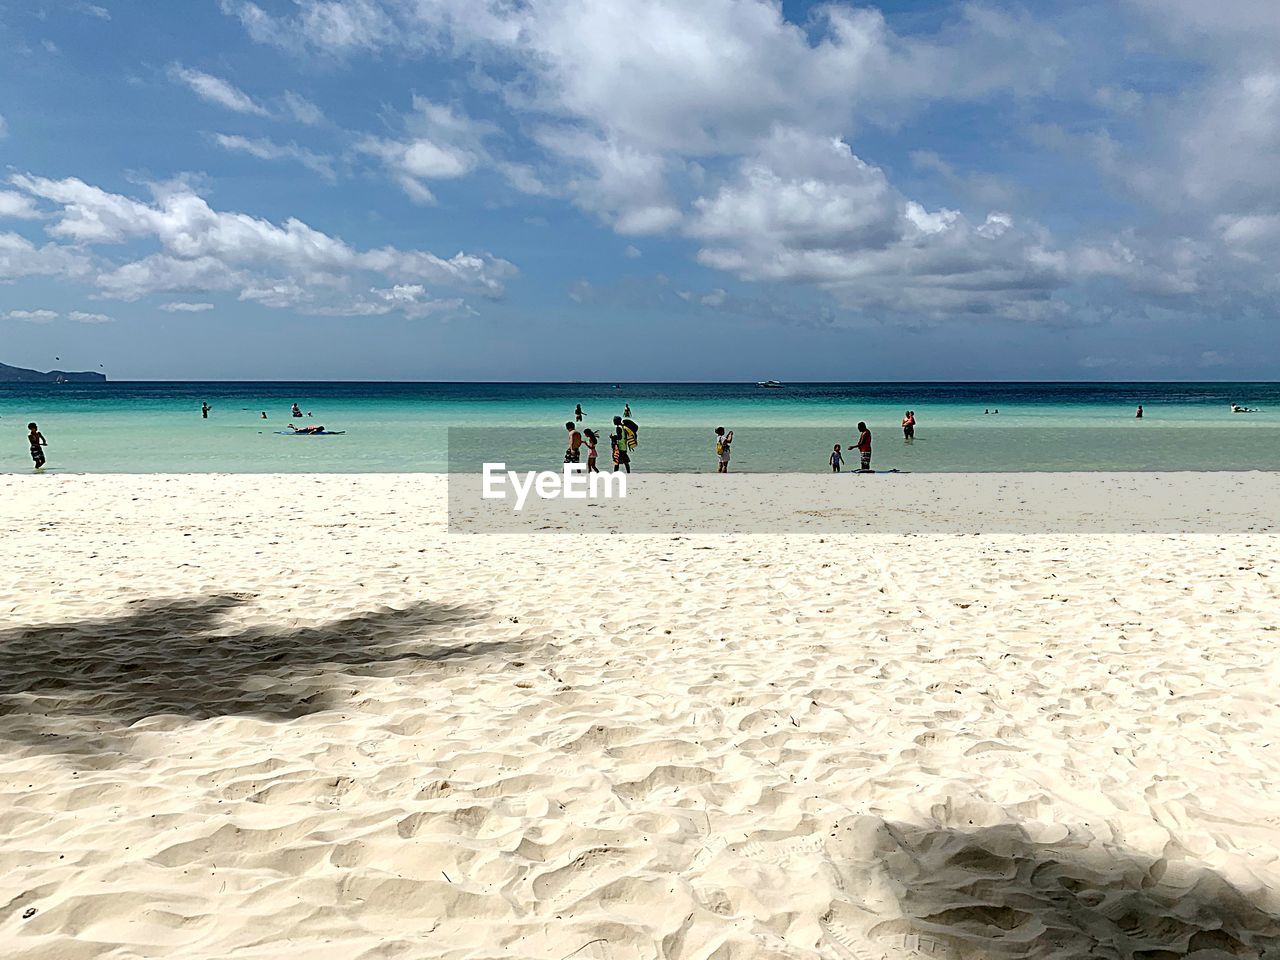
[
  {"x": 836, "y": 459},
  {"x": 37, "y": 441},
  {"x": 592, "y": 440}
]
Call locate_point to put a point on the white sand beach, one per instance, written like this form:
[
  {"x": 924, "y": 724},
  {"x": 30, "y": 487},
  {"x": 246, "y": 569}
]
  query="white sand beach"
[{"x": 266, "y": 716}]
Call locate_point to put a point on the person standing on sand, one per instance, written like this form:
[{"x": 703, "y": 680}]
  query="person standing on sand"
[
  {"x": 864, "y": 445},
  {"x": 204, "y": 410},
  {"x": 38, "y": 442},
  {"x": 723, "y": 442},
  {"x": 836, "y": 459}
]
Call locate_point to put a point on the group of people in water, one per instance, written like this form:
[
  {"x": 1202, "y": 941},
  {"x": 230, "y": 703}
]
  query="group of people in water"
[
  {"x": 624, "y": 438},
  {"x": 295, "y": 412},
  {"x": 863, "y": 445}
]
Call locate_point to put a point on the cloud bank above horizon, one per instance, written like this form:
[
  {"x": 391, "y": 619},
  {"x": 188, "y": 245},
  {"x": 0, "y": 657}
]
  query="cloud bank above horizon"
[{"x": 1014, "y": 177}]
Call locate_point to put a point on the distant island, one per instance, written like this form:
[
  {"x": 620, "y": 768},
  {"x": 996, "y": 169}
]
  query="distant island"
[{"x": 10, "y": 374}]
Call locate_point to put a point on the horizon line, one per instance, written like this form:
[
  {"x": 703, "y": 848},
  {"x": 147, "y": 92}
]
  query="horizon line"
[{"x": 631, "y": 383}]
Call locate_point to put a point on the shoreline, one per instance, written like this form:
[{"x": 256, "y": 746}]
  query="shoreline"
[{"x": 1080, "y": 502}]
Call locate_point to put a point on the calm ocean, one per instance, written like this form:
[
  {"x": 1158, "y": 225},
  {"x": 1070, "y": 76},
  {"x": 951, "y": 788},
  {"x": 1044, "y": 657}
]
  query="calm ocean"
[{"x": 157, "y": 428}]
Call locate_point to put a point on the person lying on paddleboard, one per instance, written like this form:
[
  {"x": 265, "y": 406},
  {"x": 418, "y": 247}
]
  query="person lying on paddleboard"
[{"x": 318, "y": 428}]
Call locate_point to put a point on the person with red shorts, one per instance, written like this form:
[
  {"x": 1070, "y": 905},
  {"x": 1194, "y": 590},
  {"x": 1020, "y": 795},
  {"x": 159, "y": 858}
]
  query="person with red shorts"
[{"x": 864, "y": 445}]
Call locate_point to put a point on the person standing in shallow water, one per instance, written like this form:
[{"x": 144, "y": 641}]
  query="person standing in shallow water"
[
  {"x": 724, "y": 443},
  {"x": 864, "y": 445},
  {"x": 577, "y": 413},
  {"x": 618, "y": 447},
  {"x": 573, "y": 453},
  {"x": 1138, "y": 415},
  {"x": 38, "y": 443},
  {"x": 909, "y": 426}
]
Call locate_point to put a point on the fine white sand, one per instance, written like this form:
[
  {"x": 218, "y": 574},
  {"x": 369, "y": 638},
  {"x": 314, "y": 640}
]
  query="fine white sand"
[{"x": 265, "y": 717}]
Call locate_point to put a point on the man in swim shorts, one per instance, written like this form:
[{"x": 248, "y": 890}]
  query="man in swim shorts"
[
  {"x": 864, "y": 445},
  {"x": 574, "y": 452},
  {"x": 38, "y": 443}
]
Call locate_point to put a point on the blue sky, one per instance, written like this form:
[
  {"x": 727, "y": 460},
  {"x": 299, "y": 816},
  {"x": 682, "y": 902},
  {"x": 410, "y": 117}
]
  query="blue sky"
[{"x": 640, "y": 189}]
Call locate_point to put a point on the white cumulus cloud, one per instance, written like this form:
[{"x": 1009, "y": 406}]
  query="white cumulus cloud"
[
  {"x": 203, "y": 249},
  {"x": 19, "y": 257},
  {"x": 182, "y": 306},
  {"x": 16, "y": 206},
  {"x": 33, "y": 316},
  {"x": 439, "y": 143},
  {"x": 302, "y": 109},
  {"x": 266, "y": 149},
  {"x": 217, "y": 91}
]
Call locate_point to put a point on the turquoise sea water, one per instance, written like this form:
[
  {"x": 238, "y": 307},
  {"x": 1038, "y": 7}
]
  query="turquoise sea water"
[{"x": 157, "y": 428}]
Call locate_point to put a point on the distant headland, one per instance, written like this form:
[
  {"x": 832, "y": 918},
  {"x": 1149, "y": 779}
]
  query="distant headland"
[{"x": 10, "y": 374}]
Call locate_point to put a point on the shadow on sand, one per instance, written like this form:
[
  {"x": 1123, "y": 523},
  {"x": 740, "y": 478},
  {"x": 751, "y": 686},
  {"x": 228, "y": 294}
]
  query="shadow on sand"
[
  {"x": 180, "y": 657},
  {"x": 996, "y": 892}
]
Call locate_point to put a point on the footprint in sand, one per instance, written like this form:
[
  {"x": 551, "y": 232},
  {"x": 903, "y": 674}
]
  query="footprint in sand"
[
  {"x": 840, "y": 942},
  {"x": 783, "y": 852},
  {"x": 588, "y": 871}
]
